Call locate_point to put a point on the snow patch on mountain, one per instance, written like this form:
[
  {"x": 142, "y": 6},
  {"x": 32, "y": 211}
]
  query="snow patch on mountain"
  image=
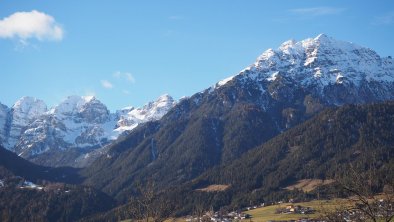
[{"x": 224, "y": 81}]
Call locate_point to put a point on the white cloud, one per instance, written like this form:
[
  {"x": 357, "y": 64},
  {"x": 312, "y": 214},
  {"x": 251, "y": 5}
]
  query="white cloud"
[
  {"x": 126, "y": 92},
  {"x": 107, "y": 84},
  {"x": 34, "y": 24},
  {"x": 317, "y": 11},
  {"x": 386, "y": 19},
  {"x": 124, "y": 75}
]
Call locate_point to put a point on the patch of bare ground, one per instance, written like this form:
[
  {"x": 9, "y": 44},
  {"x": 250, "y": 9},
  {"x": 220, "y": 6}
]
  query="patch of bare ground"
[
  {"x": 308, "y": 185},
  {"x": 214, "y": 188}
]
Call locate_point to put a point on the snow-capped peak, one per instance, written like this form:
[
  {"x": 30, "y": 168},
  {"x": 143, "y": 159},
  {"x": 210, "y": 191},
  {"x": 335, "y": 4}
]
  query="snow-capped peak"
[
  {"x": 164, "y": 101},
  {"x": 75, "y": 104},
  {"x": 88, "y": 98},
  {"x": 23, "y": 112},
  {"x": 323, "y": 38},
  {"x": 31, "y": 107},
  {"x": 321, "y": 61},
  {"x": 153, "y": 110},
  {"x": 149, "y": 112},
  {"x": 288, "y": 44},
  {"x": 69, "y": 105},
  {"x": 78, "y": 121}
]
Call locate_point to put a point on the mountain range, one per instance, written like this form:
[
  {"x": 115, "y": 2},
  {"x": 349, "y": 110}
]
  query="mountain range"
[
  {"x": 301, "y": 111},
  {"x": 283, "y": 88},
  {"x": 71, "y": 130}
]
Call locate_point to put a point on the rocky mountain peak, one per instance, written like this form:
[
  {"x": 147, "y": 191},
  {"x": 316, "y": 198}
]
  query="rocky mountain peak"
[
  {"x": 320, "y": 62},
  {"x": 29, "y": 107},
  {"x": 22, "y": 113},
  {"x": 87, "y": 108},
  {"x": 94, "y": 111},
  {"x": 150, "y": 111},
  {"x": 72, "y": 104}
]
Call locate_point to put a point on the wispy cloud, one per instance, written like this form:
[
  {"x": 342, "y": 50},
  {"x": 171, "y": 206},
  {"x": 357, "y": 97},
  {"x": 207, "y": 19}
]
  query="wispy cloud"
[
  {"x": 124, "y": 75},
  {"x": 317, "y": 11},
  {"x": 107, "y": 84},
  {"x": 126, "y": 92},
  {"x": 26, "y": 25},
  {"x": 175, "y": 17},
  {"x": 386, "y": 19}
]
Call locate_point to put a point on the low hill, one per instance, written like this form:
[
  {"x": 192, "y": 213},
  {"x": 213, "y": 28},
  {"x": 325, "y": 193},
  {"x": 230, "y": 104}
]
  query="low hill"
[
  {"x": 30, "y": 192},
  {"x": 10, "y": 163}
]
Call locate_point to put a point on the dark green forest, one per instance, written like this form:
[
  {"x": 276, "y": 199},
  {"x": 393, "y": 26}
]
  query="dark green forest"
[{"x": 324, "y": 147}]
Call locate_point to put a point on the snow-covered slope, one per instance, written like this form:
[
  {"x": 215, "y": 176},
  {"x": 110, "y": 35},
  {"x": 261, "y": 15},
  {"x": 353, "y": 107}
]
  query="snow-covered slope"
[
  {"x": 337, "y": 71},
  {"x": 78, "y": 122}
]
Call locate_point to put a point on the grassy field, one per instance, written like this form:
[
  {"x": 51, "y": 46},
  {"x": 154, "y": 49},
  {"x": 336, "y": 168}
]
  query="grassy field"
[{"x": 268, "y": 213}]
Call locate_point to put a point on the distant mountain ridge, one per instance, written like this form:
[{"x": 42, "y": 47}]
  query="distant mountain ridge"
[{"x": 30, "y": 129}]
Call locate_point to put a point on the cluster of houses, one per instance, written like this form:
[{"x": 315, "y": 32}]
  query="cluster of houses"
[
  {"x": 299, "y": 220},
  {"x": 295, "y": 209},
  {"x": 241, "y": 215},
  {"x": 220, "y": 217}
]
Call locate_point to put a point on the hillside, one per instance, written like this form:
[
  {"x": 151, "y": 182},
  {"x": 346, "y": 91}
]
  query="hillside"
[
  {"x": 30, "y": 192},
  {"x": 12, "y": 164},
  {"x": 321, "y": 148}
]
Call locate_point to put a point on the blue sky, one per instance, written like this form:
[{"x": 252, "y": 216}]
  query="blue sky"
[{"x": 129, "y": 52}]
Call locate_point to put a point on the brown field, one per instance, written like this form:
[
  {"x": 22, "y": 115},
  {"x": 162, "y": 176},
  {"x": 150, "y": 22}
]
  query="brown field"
[{"x": 308, "y": 185}]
